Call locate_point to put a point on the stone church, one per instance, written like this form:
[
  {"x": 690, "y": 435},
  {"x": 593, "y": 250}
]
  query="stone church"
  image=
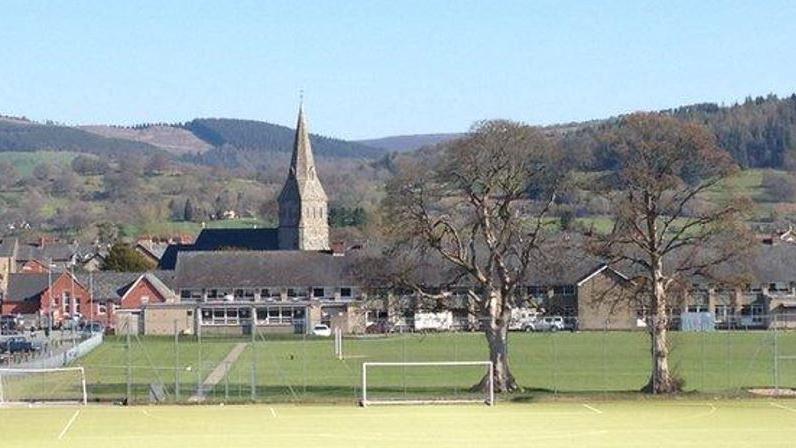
[
  {"x": 283, "y": 279},
  {"x": 303, "y": 205}
]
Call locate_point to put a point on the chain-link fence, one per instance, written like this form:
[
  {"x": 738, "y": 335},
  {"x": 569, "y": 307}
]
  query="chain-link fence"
[{"x": 263, "y": 366}]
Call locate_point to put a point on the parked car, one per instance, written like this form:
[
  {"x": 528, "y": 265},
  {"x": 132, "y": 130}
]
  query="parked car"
[
  {"x": 322, "y": 330},
  {"x": 401, "y": 328},
  {"x": 549, "y": 323},
  {"x": 8, "y": 324},
  {"x": 93, "y": 328},
  {"x": 19, "y": 345}
]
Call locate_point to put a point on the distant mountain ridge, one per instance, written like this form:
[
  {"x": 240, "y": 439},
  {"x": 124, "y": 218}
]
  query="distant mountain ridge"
[
  {"x": 191, "y": 140},
  {"x": 759, "y": 132},
  {"x": 403, "y": 143}
]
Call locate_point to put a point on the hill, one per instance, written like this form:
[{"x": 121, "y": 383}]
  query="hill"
[
  {"x": 403, "y": 143},
  {"x": 17, "y": 135},
  {"x": 253, "y": 135},
  {"x": 173, "y": 139}
]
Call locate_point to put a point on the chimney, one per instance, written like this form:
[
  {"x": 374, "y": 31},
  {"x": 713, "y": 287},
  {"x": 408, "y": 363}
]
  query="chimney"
[{"x": 338, "y": 248}]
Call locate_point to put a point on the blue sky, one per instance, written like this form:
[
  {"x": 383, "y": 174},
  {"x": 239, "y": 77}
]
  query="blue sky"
[{"x": 376, "y": 68}]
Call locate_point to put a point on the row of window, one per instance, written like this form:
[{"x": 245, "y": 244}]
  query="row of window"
[
  {"x": 250, "y": 295},
  {"x": 561, "y": 290},
  {"x": 281, "y": 315}
]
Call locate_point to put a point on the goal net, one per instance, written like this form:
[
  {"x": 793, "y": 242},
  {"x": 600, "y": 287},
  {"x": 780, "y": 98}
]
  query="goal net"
[
  {"x": 427, "y": 382},
  {"x": 57, "y": 385}
]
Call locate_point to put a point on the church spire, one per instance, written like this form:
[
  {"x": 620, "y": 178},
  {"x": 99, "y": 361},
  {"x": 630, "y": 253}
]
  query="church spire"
[
  {"x": 303, "y": 202},
  {"x": 302, "y": 164}
]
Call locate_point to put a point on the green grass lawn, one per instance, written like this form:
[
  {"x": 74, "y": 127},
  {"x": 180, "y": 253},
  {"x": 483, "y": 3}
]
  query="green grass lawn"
[
  {"x": 593, "y": 424},
  {"x": 298, "y": 369}
]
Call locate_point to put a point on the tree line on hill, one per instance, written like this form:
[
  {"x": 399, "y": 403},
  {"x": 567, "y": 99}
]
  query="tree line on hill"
[{"x": 758, "y": 133}]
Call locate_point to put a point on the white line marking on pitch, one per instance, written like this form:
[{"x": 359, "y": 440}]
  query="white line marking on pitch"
[
  {"x": 592, "y": 408},
  {"x": 777, "y": 405},
  {"x": 68, "y": 424},
  {"x": 145, "y": 412},
  {"x": 273, "y": 412}
]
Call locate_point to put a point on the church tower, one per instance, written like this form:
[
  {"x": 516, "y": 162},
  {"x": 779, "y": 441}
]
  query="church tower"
[{"x": 302, "y": 203}]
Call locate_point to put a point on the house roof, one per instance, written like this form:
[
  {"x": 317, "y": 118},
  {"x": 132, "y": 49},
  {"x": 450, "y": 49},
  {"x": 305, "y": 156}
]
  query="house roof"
[
  {"x": 153, "y": 249},
  {"x": 54, "y": 251},
  {"x": 114, "y": 285},
  {"x": 8, "y": 247},
  {"x": 156, "y": 283},
  {"x": 24, "y": 287},
  {"x": 230, "y": 269}
]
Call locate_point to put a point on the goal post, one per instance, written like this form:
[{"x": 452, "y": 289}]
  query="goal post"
[
  {"x": 441, "y": 384},
  {"x": 45, "y": 385}
]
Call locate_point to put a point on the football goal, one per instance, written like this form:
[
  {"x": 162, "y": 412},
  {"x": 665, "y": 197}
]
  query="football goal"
[
  {"x": 56, "y": 385},
  {"x": 426, "y": 382}
]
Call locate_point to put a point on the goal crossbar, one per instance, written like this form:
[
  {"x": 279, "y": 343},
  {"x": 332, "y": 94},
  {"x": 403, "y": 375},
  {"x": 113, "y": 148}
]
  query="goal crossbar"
[
  {"x": 490, "y": 399},
  {"x": 11, "y": 372}
]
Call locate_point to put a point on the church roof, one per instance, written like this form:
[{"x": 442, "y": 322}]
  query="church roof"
[{"x": 241, "y": 239}]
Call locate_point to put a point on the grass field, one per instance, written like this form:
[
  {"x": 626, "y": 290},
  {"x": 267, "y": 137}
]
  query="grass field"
[
  {"x": 648, "y": 424},
  {"x": 296, "y": 369}
]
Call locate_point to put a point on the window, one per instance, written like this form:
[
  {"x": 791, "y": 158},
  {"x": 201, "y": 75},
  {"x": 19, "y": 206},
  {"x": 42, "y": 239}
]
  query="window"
[
  {"x": 537, "y": 291},
  {"x": 101, "y": 308},
  {"x": 265, "y": 293},
  {"x": 144, "y": 300},
  {"x": 317, "y": 292},
  {"x": 345, "y": 292},
  {"x": 565, "y": 290}
]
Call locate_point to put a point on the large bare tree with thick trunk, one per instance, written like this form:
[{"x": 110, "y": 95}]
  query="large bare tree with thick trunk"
[
  {"x": 662, "y": 228},
  {"x": 478, "y": 206}
]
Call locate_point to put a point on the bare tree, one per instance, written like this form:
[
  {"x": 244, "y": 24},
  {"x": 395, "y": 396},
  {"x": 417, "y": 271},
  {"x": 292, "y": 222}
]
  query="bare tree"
[
  {"x": 667, "y": 166},
  {"x": 478, "y": 206}
]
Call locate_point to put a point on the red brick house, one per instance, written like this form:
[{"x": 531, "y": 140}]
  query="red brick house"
[
  {"x": 37, "y": 295},
  {"x": 116, "y": 293}
]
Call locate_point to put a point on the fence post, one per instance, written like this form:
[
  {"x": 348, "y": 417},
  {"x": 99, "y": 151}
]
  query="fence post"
[
  {"x": 176, "y": 363},
  {"x": 226, "y": 381},
  {"x": 304, "y": 363},
  {"x": 254, "y": 364},
  {"x": 129, "y": 366},
  {"x": 605, "y": 357},
  {"x": 555, "y": 363},
  {"x": 776, "y": 359}
]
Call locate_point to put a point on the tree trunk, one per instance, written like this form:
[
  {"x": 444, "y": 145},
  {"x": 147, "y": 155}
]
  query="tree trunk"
[
  {"x": 496, "y": 332},
  {"x": 661, "y": 379}
]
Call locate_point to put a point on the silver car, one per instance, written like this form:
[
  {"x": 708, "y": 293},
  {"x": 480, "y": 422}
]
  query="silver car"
[{"x": 551, "y": 323}]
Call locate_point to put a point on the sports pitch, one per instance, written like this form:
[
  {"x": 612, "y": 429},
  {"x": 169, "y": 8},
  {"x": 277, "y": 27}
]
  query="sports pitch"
[
  {"x": 291, "y": 370},
  {"x": 651, "y": 423}
]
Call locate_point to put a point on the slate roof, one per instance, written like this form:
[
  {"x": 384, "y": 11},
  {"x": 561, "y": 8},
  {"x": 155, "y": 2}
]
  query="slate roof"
[
  {"x": 25, "y": 287},
  {"x": 8, "y": 247},
  {"x": 223, "y": 240},
  {"x": 113, "y": 285},
  {"x": 152, "y": 249},
  {"x": 240, "y": 239},
  {"x": 229, "y": 269},
  {"x": 55, "y": 251}
]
